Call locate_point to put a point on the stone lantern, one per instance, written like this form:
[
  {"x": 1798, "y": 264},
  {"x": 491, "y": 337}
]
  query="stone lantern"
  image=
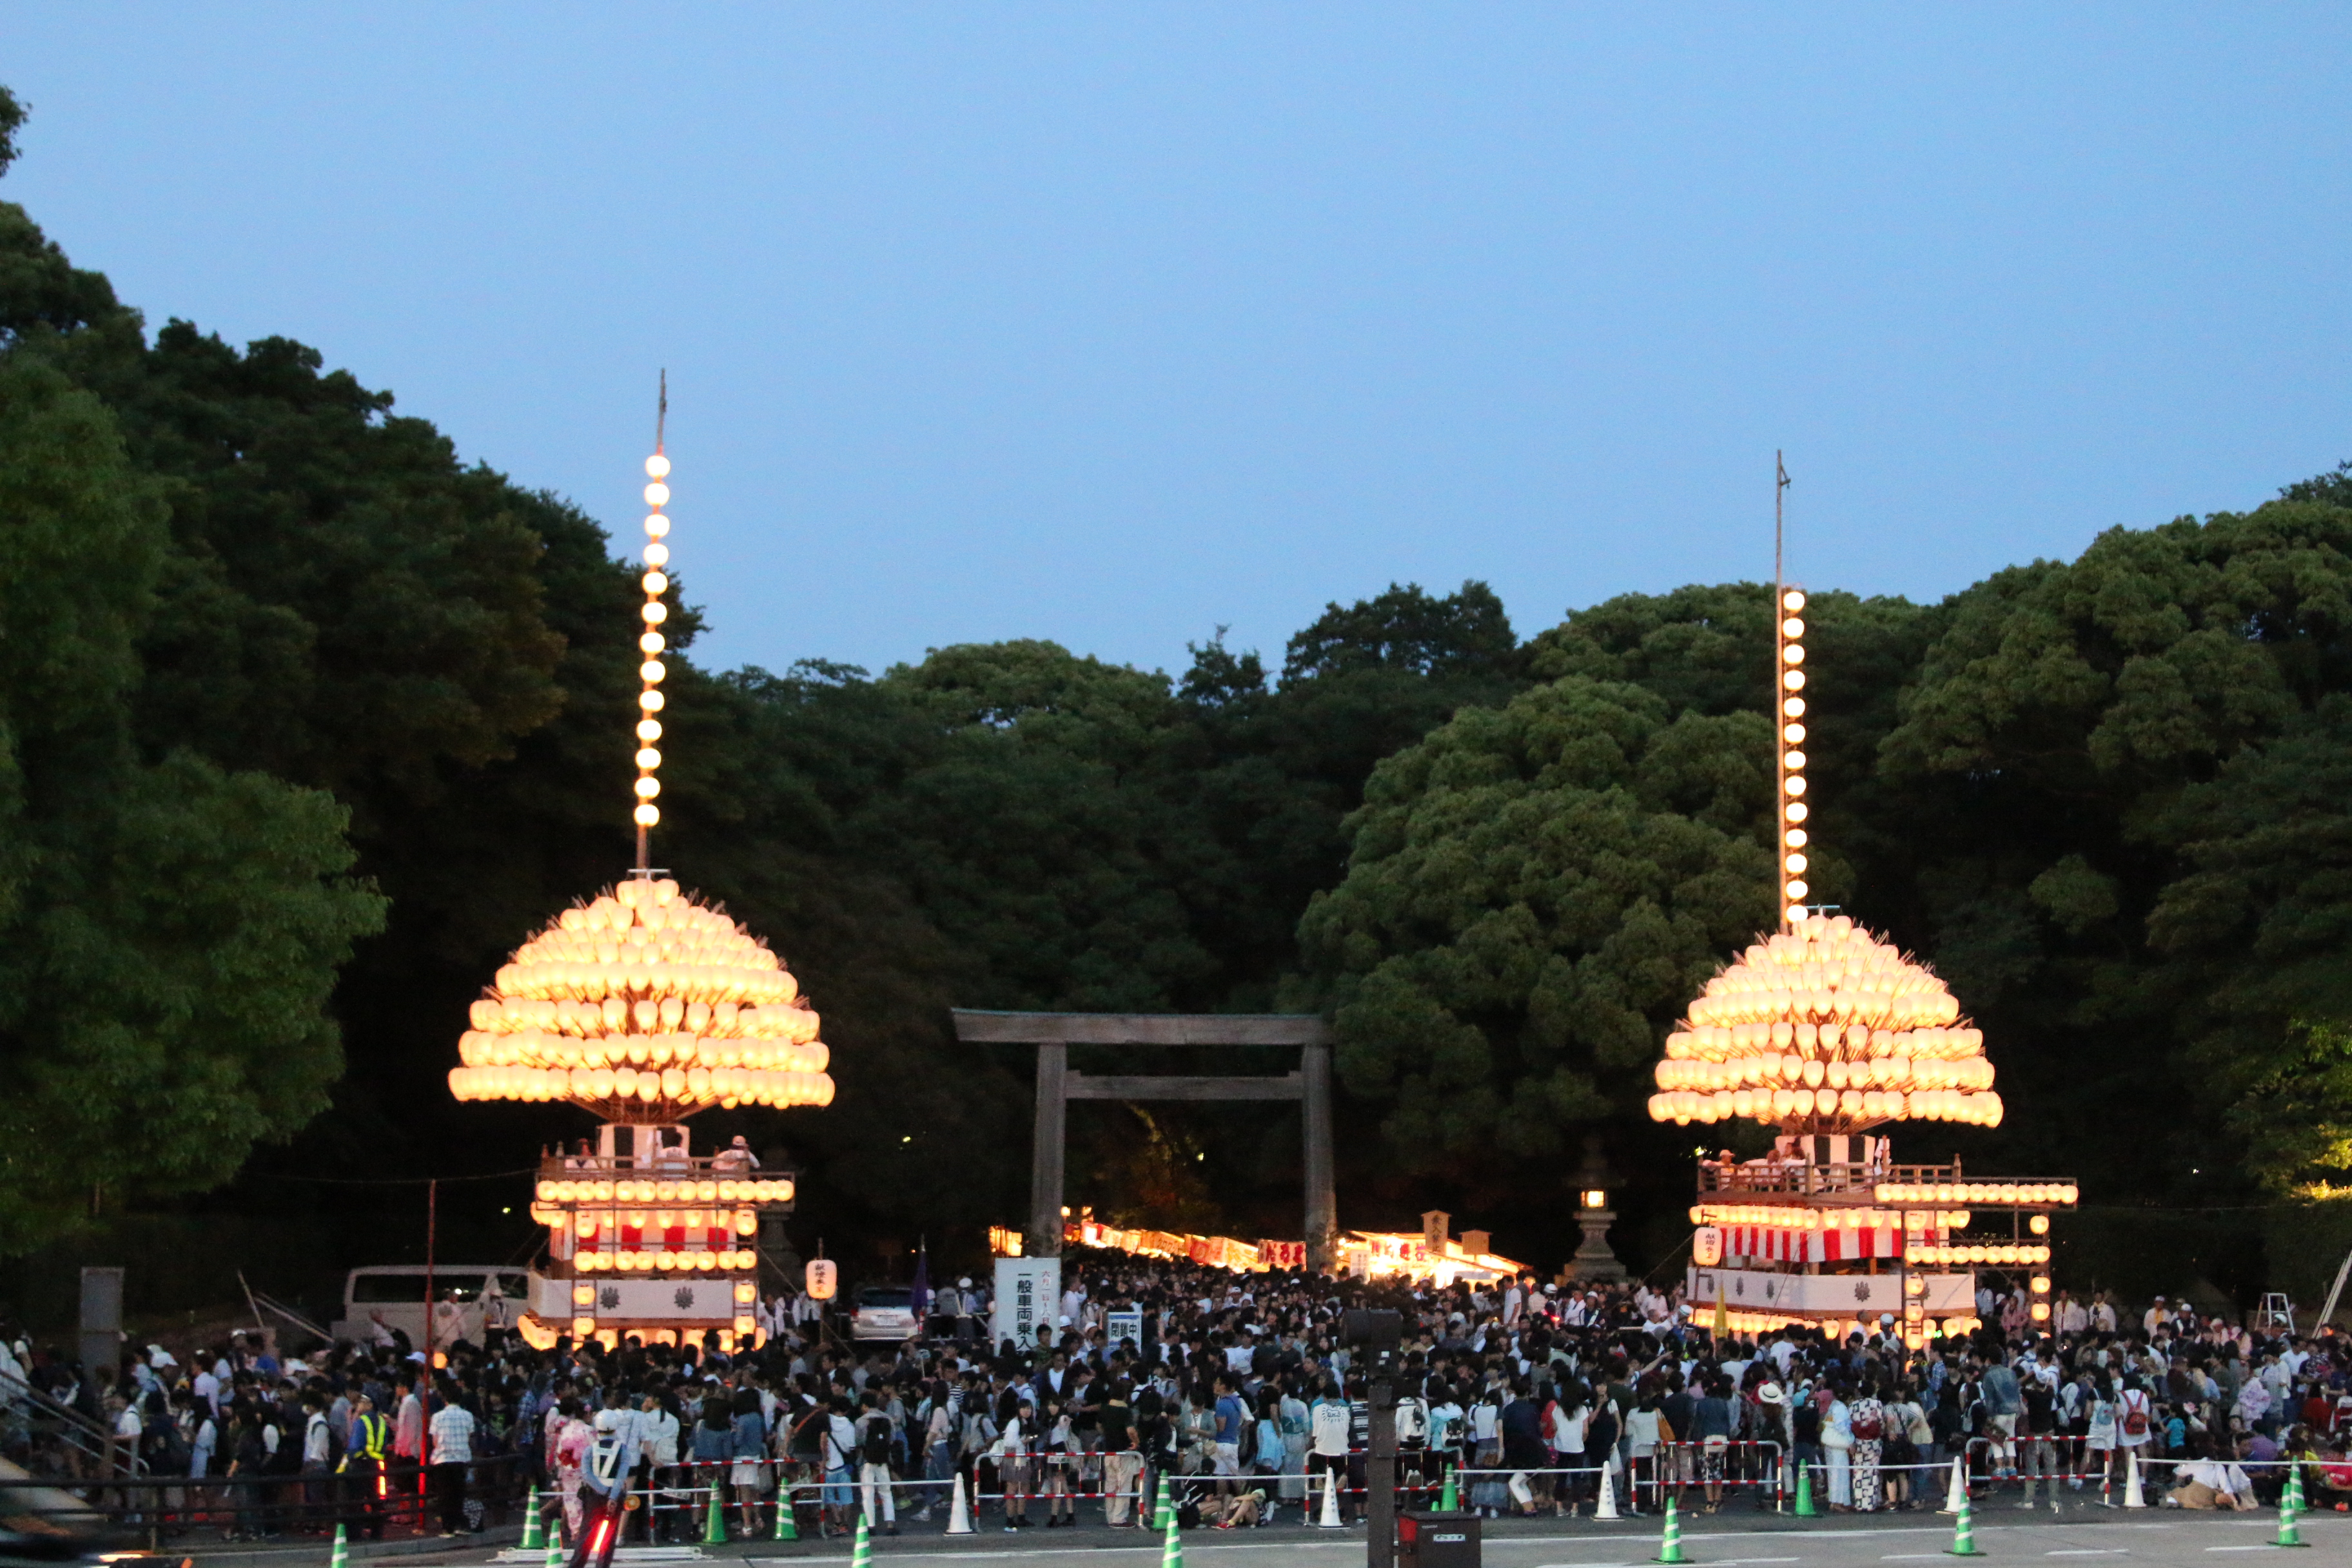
[{"x": 1594, "y": 1263}]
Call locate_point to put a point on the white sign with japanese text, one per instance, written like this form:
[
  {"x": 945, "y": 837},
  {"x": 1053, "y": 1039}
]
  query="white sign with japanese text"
[{"x": 1028, "y": 1299}]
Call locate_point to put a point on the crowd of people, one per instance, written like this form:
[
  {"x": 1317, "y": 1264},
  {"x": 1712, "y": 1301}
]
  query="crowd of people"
[{"x": 1241, "y": 1391}]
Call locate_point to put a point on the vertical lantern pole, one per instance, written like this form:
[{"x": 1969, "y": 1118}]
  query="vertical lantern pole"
[
  {"x": 1789, "y": 676},
  {"x": 656, "y": 582}
]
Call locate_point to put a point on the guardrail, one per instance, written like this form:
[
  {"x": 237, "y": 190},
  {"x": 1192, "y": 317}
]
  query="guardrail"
[
  {"x": 100, "y": 1451},
  {"x": 403, "y": 1499}
]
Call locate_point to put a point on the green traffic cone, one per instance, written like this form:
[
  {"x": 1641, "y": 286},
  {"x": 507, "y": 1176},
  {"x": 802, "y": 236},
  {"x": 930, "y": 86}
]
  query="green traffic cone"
[
  {"x": 861, "y": 1555},
  {"x": 1964, "y": 1538},
  {"x": 342, "y": 1556},
  {"x": 2291, "y": 1505},
  {"x": 788, "y": 1524},
  {"x": 555, "y": 1557},
  {"x": 1449, "y": 1500},
  {"x": 532, "y": 1535},
  {"x": 1805, "y": 1509},
  {"x": 714, "y": 1524},
  {"x": 1171, "y": 1553},
  {"x": 1670, "y": 1544},
  {"x": 1163, "y": 1508}
]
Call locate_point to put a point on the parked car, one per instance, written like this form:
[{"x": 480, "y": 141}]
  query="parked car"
[{"x": 885, "y": 1312}]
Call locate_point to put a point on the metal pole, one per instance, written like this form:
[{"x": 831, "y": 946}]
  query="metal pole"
[
  {"x": 432, "y": 1218},
  {"x": 1380, "y": 1474},
  {"x": 2334, "y": 1293}
]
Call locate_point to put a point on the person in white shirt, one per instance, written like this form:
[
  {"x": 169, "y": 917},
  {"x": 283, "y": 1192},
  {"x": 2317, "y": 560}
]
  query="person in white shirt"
[
  {"x": 1570, "y": 1415},
  {"x": 1327, "y": 1451},
  {"x": 206, "y": 1387},
  {"x": 658, "y": 1432},
  {"x": 452, "y": 1429},
  {"x": 204, "y": 1437},
  {"x": 128, "y": 1429},
  {"x": 317, "y": 1450},
  {"x": 1011, "y": 1451}
]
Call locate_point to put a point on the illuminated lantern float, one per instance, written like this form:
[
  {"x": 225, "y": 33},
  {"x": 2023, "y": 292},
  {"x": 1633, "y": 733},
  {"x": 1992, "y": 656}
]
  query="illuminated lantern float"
[
  {"x": 642, "y": 1006},
  {"x": 1824, "y": 1032}
]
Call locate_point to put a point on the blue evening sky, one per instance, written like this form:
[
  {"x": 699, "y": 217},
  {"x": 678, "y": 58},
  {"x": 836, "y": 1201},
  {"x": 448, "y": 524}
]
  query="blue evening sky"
[{"x": 1111, "y": 323}]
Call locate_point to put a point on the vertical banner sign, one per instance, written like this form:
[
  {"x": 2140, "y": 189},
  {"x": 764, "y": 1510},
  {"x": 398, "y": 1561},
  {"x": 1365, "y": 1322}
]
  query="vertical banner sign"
[
  {"x": 1028, "y": 1298},
  {"x": 1126, "y": 1323}
]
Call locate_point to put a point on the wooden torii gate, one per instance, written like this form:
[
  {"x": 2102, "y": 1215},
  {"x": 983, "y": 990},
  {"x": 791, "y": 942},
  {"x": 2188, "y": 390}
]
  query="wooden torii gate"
[{"x": 1055, "y": 1032}]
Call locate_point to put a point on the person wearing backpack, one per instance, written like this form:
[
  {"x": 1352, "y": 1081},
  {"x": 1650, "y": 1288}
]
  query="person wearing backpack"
[
  {"x": 2134, "y": 1419},
  {"x": 2103, "y": 1441},
  {"x": 839, "y": 1452},
  {"x": 876, "y": 1440}
]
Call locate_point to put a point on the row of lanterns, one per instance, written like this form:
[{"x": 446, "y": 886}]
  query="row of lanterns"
[
  {"x": 611, "y": 1015},
  {"x": 1792, "y": 1072},
  {"x": 586, "y": 1222},
  {"x": 2003, "y": 1252},
  {"x": 1977, "y": 1192},
  {"x": 1837, "y": 1328},
  {"x": 1787, "y": 1216},
  {"x": 643, "y": 1261},
  {"x": 1849, "y": 1042},
  {"x": 725, "y": 1191},
  {"x": 679, "y": 1050},
  {"x": 594, "y": 980},
  {"x": 684, "y": 1089},
  {"x": 655, "y": 583},
  {"x": 1856, "y": 1108},
  {"x": 1794, "y": 888}
]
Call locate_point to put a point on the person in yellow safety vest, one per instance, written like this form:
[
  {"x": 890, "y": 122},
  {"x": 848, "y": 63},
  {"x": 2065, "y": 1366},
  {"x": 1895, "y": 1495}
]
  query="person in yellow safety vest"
[{"x": 366, "y": 1458}]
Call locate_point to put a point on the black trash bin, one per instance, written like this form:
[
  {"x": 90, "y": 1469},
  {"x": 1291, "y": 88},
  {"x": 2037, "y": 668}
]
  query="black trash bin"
[{"x": 1428, "y": 1539}]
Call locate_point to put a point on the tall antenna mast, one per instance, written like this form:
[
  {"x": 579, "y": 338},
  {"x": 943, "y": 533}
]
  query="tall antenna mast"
[
  {"x": 656, "y": 582},
  {"x": 1780, "y": 489}
]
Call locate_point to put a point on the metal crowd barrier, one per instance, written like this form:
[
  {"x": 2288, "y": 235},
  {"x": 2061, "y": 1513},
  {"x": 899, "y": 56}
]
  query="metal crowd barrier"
[{"x": 159, "y": 1509}]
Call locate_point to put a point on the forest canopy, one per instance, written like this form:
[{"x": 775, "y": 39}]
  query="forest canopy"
[{"x": 304, "y": 723}]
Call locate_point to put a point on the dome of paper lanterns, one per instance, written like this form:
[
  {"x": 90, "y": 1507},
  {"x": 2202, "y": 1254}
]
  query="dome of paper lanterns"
[
  {"x": 644, "y": 1006},
  {"x": 1825, "y": 1028}
]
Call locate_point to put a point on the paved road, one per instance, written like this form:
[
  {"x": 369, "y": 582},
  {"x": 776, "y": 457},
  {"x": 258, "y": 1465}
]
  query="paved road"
[{"x": 2158, "y": 1540}]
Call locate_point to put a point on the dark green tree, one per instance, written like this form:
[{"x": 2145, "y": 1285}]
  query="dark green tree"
[
  {"x": 169, "y": 930},
  {"x": 1535, "y": 893},
  {"x": 2122, "y": 765}
]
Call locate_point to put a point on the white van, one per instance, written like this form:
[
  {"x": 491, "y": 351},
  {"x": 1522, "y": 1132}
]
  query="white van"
[{"x": 472, "y": 1293}]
